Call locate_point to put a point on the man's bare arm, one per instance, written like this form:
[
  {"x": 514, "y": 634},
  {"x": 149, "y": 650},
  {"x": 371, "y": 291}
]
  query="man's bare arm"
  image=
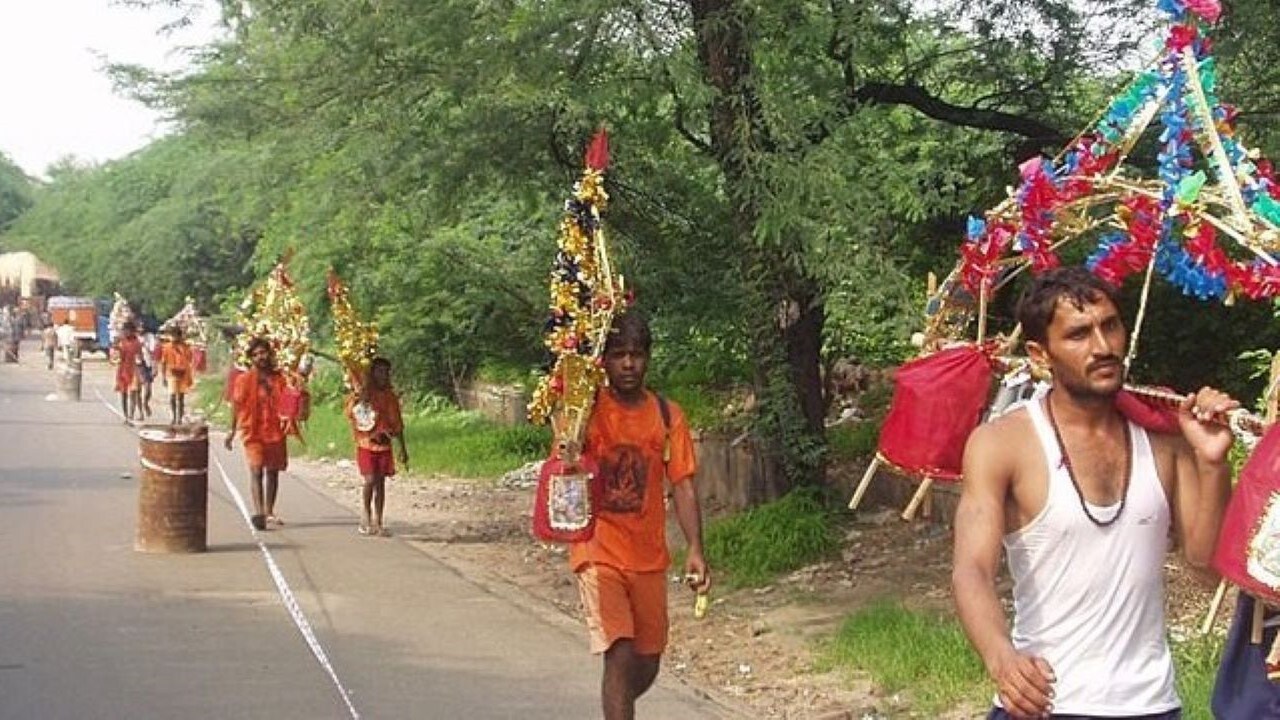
[
  {"x": 1023, "y": 683},
  {"x": 1203, "y": 475},
  {"x": 689, "y": 515}
]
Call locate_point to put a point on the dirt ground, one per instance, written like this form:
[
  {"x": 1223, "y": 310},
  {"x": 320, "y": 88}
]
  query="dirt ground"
[{"x": 756, "y": 649}]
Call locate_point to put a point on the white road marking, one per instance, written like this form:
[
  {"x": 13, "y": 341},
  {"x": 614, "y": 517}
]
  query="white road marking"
[{"x": 282, "y": 586}]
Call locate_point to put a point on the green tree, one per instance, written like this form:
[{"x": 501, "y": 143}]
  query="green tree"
[{"x": 15, "y": 192}]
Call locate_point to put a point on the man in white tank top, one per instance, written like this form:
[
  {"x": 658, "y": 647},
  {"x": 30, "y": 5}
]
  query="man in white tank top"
[{"x": 1082, "y": 501}]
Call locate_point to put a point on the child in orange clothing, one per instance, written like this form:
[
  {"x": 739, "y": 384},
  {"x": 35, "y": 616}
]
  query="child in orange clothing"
[
  {"x": 176, "y": 367},
  {"x": 639, "y": 439},
  {"x": 375, "y": 419}
]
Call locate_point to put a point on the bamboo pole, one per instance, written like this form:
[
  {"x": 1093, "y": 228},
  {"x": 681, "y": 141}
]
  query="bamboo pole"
[
  {"x": 856, "y": 500},
  {"x": 910, "y": 512},
  {"x": 1214, "y": 606},
  {"x": 1142, "y": 314}
]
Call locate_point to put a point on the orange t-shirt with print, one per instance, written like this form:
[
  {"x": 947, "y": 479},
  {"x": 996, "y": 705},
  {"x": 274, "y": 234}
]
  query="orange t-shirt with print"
[
  {"x": 387, "y": 419},
  {"x": 626, "y": 443}
]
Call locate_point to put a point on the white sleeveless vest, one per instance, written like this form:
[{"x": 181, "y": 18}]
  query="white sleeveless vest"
[{"x": 1090, "y": 599}]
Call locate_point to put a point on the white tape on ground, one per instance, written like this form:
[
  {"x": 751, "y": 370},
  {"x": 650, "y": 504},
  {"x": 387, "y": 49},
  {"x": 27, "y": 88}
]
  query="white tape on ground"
[
  {"x": 282, "y": 586},
  {"x": 287, "y": 596}
]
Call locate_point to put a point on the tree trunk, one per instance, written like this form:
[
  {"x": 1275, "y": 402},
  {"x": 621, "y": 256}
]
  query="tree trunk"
[{"x": 787, "y": 339}]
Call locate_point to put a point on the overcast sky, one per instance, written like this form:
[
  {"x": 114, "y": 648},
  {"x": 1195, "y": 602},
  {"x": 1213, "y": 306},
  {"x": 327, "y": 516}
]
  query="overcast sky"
[{"x": 56, "y": 99}]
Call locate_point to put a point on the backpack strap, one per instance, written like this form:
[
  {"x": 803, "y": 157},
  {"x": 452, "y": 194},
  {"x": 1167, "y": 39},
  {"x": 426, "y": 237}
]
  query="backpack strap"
[{"x": 665, "y": 410}]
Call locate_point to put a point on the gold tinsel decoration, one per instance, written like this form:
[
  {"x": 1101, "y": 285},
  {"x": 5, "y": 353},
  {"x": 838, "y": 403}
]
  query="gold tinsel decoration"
[
  {"x": 585, "y": 296},
  {"x": 273, "y": 310},
  {"x": 357, "y": 341}
]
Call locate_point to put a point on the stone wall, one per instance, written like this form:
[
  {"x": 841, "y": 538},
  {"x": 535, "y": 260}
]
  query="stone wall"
[
  {"x": 731, "y": 476},
  {"x": 890, "y": 489},
  {"x": 506, "y": 404}
]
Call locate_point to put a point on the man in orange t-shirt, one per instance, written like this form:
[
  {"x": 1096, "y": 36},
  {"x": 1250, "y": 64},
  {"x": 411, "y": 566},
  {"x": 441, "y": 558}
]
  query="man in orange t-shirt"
[
  {"x": 373, "y": 440},
  {"x": 255, "y": 399},
  {"x": 127, "y": 354},
  {"x": 638, "y": 439},
  {"x": 176, "y": 367}
]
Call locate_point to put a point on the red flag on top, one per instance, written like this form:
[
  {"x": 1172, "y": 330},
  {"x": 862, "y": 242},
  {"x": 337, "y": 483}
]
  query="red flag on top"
[{"x": 598, "y": 151}]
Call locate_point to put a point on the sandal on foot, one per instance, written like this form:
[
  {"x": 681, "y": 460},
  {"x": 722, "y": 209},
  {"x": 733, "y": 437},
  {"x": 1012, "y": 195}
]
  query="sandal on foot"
[
  {"x": 364, "y": 530},
  {"x": 259, "y": 522},
  {"x": 274, "y": 520}
]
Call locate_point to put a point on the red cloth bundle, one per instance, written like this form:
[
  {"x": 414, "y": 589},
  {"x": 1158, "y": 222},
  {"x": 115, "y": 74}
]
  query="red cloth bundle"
[
  {"x": 937, "y": 401},
  {"x": 1147, "y": 414}
]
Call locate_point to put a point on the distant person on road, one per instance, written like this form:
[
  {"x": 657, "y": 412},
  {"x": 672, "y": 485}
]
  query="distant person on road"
[
  {"x": 67, "y": 341},
  {"x": 178, "y": 371},
  {"x": 374, "y": 413},
  {"x": 1083, "y": 501},
  {"x": 640, "y": 440},
  {"x": 48, "y": 343},
  {"x": 126, "y": 354},
  {"x": 147, "y": 367},
  {"x": 255, "y": 400}
]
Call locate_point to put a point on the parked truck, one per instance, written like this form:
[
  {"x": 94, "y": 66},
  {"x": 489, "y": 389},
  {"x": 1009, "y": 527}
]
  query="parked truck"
[{"x": 89, "y": 316}]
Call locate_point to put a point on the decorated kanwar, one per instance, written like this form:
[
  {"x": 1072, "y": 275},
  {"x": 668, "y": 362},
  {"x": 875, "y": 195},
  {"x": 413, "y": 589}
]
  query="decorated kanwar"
[
  {"x": 268, "y": 388},
  {"x": 195, "y": 331},
  {"x": 372, "y": 407},
  {"x": 617, "y": 445},
  {"x": 1076, "y": 474}
]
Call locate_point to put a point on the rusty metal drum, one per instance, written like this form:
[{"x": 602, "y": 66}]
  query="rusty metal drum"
[{"x": 173, "y": 493}]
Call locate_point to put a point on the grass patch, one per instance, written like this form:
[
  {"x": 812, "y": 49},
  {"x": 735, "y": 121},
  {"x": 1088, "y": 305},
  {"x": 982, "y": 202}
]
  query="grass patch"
[
  {"x": 1196, "y": 660},
  {"x": 929, "y": 658},
  {"x": 442, "y": 439},
  {"x": 753, "y": 547},
  {"x": 853, "y": 440},
  {"x": 905, "y": 650}
]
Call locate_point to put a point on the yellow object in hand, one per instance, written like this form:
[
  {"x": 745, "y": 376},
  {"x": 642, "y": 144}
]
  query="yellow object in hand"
[{"x": 701, "y": 605}]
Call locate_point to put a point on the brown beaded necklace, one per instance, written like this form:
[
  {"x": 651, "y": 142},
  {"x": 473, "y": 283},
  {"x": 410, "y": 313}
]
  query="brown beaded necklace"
[{"x": 1066, "y": 462}]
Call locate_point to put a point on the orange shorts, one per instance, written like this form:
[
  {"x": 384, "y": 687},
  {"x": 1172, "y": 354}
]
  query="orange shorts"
[
  {"x": 268, "y": 456},
  {"x": 624, "y": 605}
]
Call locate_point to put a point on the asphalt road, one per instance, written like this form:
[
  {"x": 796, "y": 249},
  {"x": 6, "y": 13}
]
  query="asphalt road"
[{"x": 89, "y": 628}]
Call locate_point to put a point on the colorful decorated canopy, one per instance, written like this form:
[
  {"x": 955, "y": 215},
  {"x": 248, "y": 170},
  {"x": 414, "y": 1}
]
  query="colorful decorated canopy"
[
  {"x": 1208, "y": 221},
  {"x": 585, "y": 296}
]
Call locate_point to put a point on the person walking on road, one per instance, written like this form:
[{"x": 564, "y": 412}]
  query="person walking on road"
[
  {"x": 639, "y": 439},
  {"x": 67, "y": 341},
  {"x": 255, "y": 399},
  {"x": 48, "y": 344},
  {"x": 374, "y": 414},
  {"x": 177, "y": 369},
  {"x": 127, "y": 354}
]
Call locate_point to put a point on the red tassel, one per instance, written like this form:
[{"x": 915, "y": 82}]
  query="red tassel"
[
  {"x": 598, "y": 151},
  {"x": 334, "y": 283}
]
